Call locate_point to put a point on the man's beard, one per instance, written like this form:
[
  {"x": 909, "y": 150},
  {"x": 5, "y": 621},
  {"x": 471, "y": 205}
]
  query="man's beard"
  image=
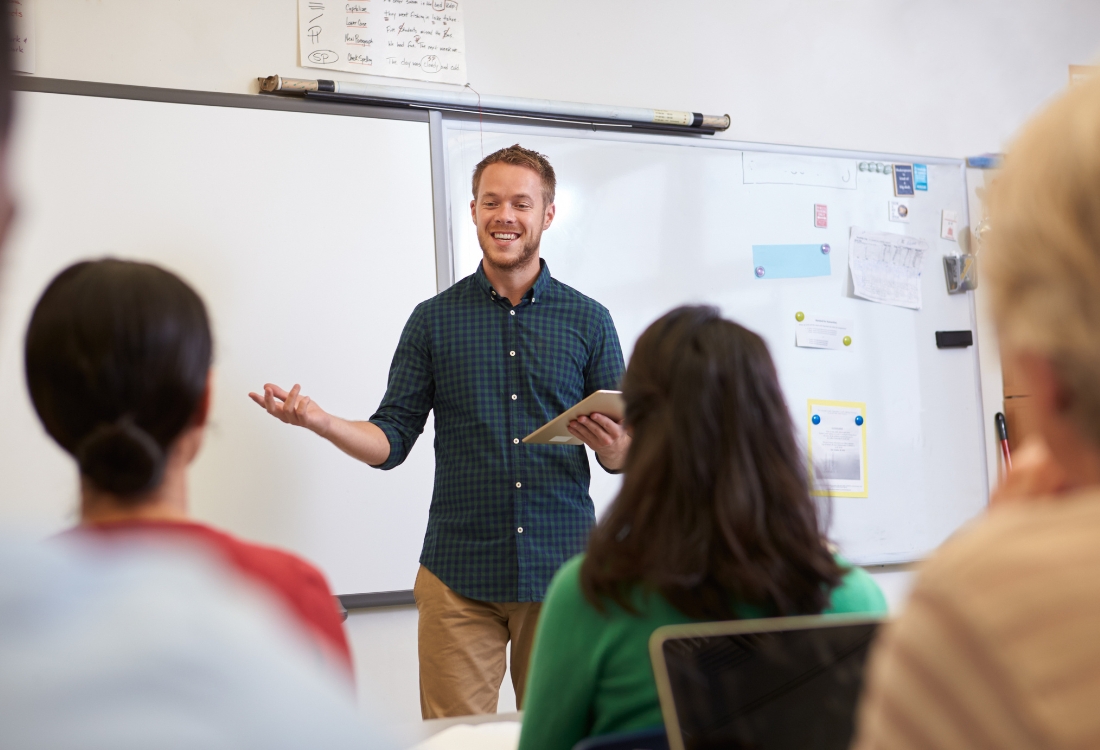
[{"x": 530, "y": 248}]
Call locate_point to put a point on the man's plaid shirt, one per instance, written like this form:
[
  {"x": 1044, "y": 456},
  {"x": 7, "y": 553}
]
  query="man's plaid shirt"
[{"x": 504, "y": 515}]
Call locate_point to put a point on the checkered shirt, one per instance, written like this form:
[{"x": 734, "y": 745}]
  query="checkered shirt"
[{"x": 504, "y": 515}]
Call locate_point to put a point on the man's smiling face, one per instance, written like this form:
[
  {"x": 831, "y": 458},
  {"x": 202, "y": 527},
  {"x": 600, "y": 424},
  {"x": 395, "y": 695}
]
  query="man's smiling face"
[{"x": 510, "y": 213}]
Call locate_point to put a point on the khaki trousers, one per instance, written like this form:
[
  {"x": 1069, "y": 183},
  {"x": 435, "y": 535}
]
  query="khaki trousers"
[{"x": 462, "y": 642}]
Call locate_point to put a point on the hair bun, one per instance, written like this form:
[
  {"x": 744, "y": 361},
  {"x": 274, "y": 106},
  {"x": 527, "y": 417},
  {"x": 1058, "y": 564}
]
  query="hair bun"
[{"x": 121, "y": 458}]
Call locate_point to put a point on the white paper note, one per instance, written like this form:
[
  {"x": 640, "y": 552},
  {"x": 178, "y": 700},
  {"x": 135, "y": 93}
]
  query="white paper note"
[
  {"x": 782, "y": 169},
  {"x": 21, "y": 44},
  {"x": 419, "y": 39},
  {"x": 819, "y": 332},
  {"x": 949, "y": 222},
  {"x": 838, "y": 448},
  {"x": 886, "y": 267}
]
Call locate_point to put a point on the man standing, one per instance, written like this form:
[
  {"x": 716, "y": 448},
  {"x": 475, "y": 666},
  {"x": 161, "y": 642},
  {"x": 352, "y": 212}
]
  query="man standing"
[{"x": 497, "y": 355}]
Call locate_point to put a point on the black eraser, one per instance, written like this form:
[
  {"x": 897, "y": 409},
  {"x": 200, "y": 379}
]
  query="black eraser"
[{"x": 954, "y": 339}]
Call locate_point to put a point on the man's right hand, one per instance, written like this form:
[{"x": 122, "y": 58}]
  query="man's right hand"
[
  {"x": 362, "y": 440},
  {"x": 293, "y": 408}
]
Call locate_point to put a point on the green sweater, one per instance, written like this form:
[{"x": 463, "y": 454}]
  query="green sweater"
[{"x": 590, "y": 673}]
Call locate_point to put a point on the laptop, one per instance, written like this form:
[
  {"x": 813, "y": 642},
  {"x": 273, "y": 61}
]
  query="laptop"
[{"x": 774, "y": 684}]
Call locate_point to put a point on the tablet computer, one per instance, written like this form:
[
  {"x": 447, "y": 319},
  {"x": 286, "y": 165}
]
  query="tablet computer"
[{"x": 556, "y": 431}]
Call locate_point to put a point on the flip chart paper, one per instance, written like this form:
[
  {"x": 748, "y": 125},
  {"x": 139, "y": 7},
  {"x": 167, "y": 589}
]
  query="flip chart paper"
[
  {"x": 784, "y": 169},
  {"x": 819, "y": 332},
  {"x": 789, "y": 261},
  {"x": 886, "y": 267},
  {"x": 838, "y": 447},
  {"x": 21, "y": 43},
  {"x": 419, "y": 39}
]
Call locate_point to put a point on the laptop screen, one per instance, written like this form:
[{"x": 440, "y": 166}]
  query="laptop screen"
[{"x": 769, "y": 690}]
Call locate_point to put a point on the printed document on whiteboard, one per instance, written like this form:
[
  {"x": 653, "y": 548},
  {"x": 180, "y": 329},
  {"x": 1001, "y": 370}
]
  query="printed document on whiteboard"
[{"x": 886, "y": 267}]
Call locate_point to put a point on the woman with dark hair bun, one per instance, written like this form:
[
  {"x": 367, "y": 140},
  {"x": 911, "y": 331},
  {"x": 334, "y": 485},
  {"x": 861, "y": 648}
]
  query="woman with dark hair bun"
[
  {"x": 118, "y": 358},
  {"x": 714, "y": 522}
]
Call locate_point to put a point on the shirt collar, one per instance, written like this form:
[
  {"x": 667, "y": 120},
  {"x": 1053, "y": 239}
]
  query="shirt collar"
[{"x": 539, "y": 290}]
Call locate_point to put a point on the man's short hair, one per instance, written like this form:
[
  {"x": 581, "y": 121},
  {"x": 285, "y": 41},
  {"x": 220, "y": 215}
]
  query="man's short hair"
[
  {"x": 1043, "y": 265},
  {"x": 521, "y": 157}
]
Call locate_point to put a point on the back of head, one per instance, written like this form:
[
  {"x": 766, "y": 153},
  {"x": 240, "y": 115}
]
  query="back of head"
[
  {"x": 715, "y": 509},
  {"x": 1043, "y": 264},
  {"x": 117, "y": 359}
]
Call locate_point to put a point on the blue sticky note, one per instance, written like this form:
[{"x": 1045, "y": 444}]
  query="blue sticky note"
[
  {"x": 903, "y": 179},
  {"x": 920, "y": 176},
  {"x": 789, "y": 261}
]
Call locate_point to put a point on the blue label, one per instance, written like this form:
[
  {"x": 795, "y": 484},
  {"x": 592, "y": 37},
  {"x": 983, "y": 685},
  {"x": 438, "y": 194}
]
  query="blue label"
[
  {"x": 789, "y": 261},
  {"x": 920, "y": 176},
  {"x": 903, "y": 179}
]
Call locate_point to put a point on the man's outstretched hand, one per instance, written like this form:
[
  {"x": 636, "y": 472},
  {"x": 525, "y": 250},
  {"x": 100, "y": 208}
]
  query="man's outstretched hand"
[
  {"x": 605, "y": 436},
  {"x": 293, "y": 408}
]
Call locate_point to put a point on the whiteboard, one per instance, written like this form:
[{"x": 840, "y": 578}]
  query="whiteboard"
[
  {"x": 646, "y": 223},
  {"x": 310, "y": 236}
]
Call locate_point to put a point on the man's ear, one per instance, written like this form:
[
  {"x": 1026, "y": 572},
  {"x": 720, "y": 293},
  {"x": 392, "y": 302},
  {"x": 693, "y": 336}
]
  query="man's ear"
[
  {"x": 551, "y": 210},
  {"x": 202, "y": 409},
  {"x": 473, "y": 211}
]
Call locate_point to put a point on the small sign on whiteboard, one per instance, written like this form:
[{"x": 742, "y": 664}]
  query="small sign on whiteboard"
[{"x": 21, "y": 43}]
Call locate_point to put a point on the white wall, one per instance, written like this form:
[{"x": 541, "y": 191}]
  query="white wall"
[{"x": 934, "y": 77}]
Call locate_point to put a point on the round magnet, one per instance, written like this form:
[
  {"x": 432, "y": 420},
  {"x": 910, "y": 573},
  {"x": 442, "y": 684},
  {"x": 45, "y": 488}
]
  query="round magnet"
[
  {"x": 760, "y": 272},
  {"x": 799, "y": 316},
  {"x": 847, "y": 340},
  {"x": 887, "y": 169},
  {"x": 815, "y": 419},
  {"x": 863, "y": 166},
  {"x": 859, "y": 421},
  {"x": 825, "y": 249},
  {"x": 878, "y": 167}
]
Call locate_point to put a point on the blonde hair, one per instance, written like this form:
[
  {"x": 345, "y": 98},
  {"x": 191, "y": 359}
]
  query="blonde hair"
[{"x": 1043, "y": 264}]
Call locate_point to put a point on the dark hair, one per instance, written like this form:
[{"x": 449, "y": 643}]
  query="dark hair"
[
  {"x": 715, "y": 508},
  {"x": 117, "y": 358},
  {"x": 521, "y": 157}
]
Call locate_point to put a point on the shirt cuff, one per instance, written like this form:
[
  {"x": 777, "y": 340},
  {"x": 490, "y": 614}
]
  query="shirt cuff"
[
  {"x": 397, "y": 446},
  {"x": 609, "y": 471}
]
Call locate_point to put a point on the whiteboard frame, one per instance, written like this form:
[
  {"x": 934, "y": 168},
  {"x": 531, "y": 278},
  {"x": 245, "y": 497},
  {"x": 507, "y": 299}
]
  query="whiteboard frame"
[{"x": 451, "y": 121}]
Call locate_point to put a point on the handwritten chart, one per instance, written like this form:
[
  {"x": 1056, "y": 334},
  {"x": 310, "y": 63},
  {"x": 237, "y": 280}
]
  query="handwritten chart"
[
  {"x": 886, "y": 267},
  {"x": 21, "y": 43},
  {"x": 420, "y": 39}
]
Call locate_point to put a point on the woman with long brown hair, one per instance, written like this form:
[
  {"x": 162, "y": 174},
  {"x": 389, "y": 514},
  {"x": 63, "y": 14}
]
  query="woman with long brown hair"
[{"x": 714, "y": 522}]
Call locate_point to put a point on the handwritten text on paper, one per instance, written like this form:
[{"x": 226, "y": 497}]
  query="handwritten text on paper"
[
  {"x": 886, "y": 267},
  {"x": 420, "y": 39}
]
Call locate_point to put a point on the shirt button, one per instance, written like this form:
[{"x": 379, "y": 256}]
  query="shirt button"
[
  {"x": 514, "y": 397},
  {"x": 515, "y": 440},
  {"x": 520, "y": 530},
  {"x": 518, "y": 485},
  {"x": 511, "y": 354},
  {"x": 511, "y": 312}
]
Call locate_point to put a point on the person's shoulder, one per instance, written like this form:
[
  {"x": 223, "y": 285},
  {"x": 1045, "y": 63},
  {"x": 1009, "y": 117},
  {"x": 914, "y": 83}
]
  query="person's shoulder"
[
  {"x": 273, "y": 563},
  {"x": 1021, "y": 550},
  {"x": 857, "y": 592},
  {"x": 565, "y": 586},
  {"x": 570, "y": 296}
]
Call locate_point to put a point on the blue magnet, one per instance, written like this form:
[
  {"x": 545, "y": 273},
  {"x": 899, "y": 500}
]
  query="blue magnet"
[
  {"x": 825, "y": 249},
  {"x": 815, "y": 419},
  {"x": 859, "y": 421},
  {"x": 760, "y": 272}
]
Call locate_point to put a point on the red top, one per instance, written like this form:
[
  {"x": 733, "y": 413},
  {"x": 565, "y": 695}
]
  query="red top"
[{"x": 299, "y": 585}]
